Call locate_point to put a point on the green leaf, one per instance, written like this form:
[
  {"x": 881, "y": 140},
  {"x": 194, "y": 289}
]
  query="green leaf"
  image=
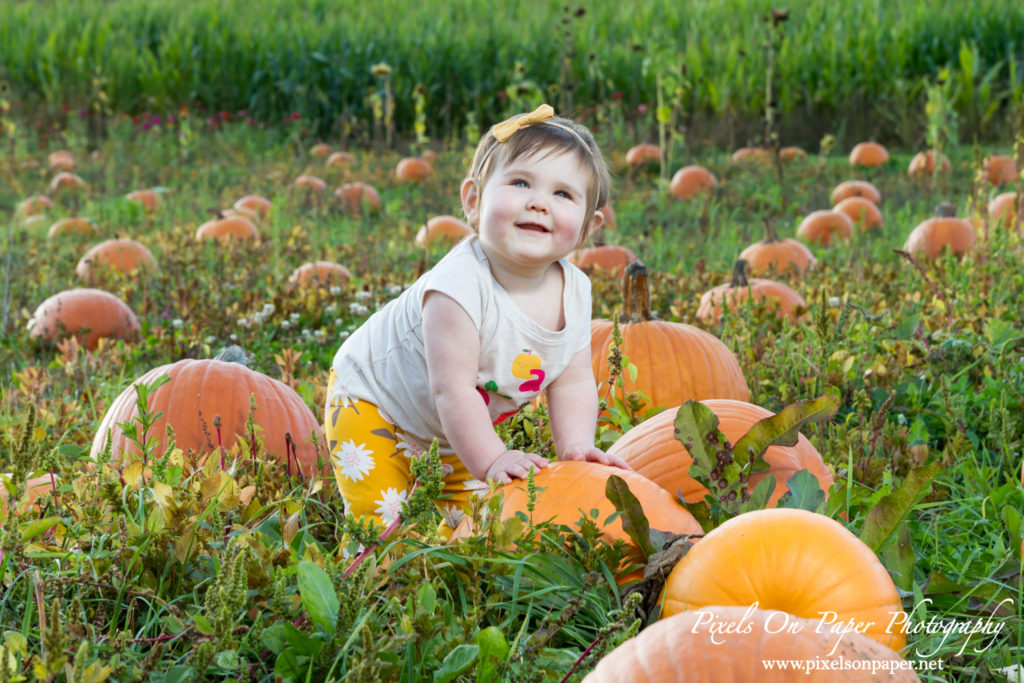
[
  {"x": 426, "y": 596},
  {"x": 457, "y": 661},
  {"x": 760, "y": 496},
  {"x": 1000, "y": 332},
  {"x": 38, "y": 527},
  {"x": 804, "y": 492},
  {"x": 272, "y": 638},
  {"x": 888, "y": 513},
  {"x": 783, "y": 429},
  {"x": 318, "y": 596},
  {"x": 493, "y": 650},
  {"x": 898, "y": 557},
  {"x": 697, "y": 429},
  {"x": 634, "y": 521}
]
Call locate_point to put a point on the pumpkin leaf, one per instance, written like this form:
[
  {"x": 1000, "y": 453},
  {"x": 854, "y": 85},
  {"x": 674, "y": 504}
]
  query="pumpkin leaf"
[
  {"x": 804, "y": 492},
  {"x": 783, "y": 429},
  {"x": 885, "y": 517},
  {"x": 634, "y": 521},
  {"x": 492, "y": 652}
]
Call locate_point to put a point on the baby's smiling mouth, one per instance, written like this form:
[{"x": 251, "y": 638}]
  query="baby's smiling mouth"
[{"x": 533, "y": 227}]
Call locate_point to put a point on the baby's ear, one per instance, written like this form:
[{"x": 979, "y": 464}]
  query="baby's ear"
[
  {"x": 597, "y": 221},
  {"x": 470, "y": 195}
]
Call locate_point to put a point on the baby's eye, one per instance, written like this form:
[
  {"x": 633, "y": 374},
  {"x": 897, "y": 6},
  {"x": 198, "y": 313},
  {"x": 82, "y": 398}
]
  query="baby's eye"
[
  {"x": 519, "y": 182},
  {"x": 564, "y": 193}
]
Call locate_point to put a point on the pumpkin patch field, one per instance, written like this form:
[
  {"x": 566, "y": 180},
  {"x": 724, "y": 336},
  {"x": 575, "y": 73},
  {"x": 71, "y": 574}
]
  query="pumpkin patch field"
[{"x": 807, "y": 340}]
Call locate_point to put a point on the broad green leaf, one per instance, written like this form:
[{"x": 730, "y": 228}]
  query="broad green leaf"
[
  {"x": 696, "y": 428},
  {"x": 783, "y": 429},
  {"x": 804, "y": 492},
  {"x": 426, "y": 597},
  {"x": 888, "y": 513},
  {"x": 898, "y": 557},
  {"x": 634, "y": 521},
  {"x": 30, "y": 530},
  {"x": 760, "y": 496},
  {"x": 493, "y": 650},
  {"x": 272, "y": 637},
  {"x": 457, "y": 661},
  {"x": 318, "y": 596}
]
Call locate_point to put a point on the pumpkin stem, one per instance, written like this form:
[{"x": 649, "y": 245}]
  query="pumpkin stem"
[
  {"x": 636, "y": 295},
  {"x": 739, "y": 273},
  {"x": 770, "y": 233},
  {"x": 233, "y": 354},
  {"x": 218, "y": 214},
  {"x": 945, "y": 210}
]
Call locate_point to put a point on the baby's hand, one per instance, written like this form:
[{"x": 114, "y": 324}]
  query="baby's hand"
[
  {"x": 592, "y": 453},
  {"x": 514, "y": 464}
]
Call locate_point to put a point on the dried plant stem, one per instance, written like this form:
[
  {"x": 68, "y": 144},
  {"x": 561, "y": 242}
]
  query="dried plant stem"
[{"x": 935, "y": 288}]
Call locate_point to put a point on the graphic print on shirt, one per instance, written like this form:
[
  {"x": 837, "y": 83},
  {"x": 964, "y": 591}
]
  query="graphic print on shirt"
[{"x": 527, "y": 366}]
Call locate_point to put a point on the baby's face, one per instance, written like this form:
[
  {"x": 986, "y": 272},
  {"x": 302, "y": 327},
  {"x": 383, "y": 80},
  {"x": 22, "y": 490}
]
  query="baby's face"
[{"x": 532, "y": 210}]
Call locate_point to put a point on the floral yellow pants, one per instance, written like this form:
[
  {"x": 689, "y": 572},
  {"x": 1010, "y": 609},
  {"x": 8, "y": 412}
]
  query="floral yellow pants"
[{"x": 372, "y": 456}]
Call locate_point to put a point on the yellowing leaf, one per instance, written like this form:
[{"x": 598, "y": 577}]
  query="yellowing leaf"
[
  {"x": 210, "y": 486},
  {"x": 132, "y": 474},
  {"x": 291, "y": 527}
]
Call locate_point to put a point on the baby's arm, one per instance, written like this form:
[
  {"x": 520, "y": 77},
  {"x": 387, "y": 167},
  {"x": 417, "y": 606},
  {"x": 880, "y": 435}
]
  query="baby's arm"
[
  {"x": 452, "y": 347},
  {"x": 572, "y": 408}
]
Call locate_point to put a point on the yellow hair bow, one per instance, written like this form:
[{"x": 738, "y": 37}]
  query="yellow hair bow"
[{"x": 504, "y": 130}]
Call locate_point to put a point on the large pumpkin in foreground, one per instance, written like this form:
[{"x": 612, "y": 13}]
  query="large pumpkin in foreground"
[
  {"x": 88, "y": 314},
  {"x": 201, "y": 389},
  {"x": 796, "y": 561},
  {"x": 573, "y": 488},
  {"x": 652, "y": 450},
  {"x": 674, "y": 361},
  {"x": 692, "y": 646}
]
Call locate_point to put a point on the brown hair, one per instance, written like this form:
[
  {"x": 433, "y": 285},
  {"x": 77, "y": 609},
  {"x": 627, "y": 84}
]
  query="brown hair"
[{"x": 550, "y": 136}]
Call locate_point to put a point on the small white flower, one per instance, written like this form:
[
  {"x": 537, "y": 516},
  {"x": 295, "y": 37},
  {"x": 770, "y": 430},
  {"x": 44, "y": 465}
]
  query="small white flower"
[
  {"x": 330, "y": 309},
  {"x": 834, "y": 302},
  {"x": 233, "y": 337},
  {"x": 409, "y": 447},
  {"x": 285, "y": 325},
  {"x": 357, "y": 308},
  {"x": 210, "y": 339},
  {"x": 319, "y": 334},
  {"x": 335, "y": 290},
  {"x": 177, "y": 322},
  {"x": 306, "y": 332},
  {"x": 363, "y": 295},
  {"x": 243, "y": 322},
  {"x": 352, "y": 461},
  {"x": 294, "y": 317},
  {"x": 395, "y": 290},
  {"x": 268, "y": 310},
  {"x": 390, "y": 506},
  {"x": 343, "y": 335},
  {"x": 257, "y": 318}
]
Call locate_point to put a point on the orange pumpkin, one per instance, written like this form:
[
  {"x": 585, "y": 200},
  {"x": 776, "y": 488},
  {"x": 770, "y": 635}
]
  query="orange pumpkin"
[
  {"x": 320, "y": 150},
  {"x": 856, "y": 188},
  {"x": 733, "y": 643},
  {"x": 357, "y": 197},
  {"x": 790, "y": 154},
  {"x": 320, "y": 274},
  {"x": 774, "y": 255},
  {"x": 340, "y": 160},
  {"x": 149, "y": 199},
  {"x": 448, "y": 228},
  {"x": 943, "y": 231},
  {"x": 1005, "y": 207},
  {"x": 1000, "y": 170},
  {"x": 124, "y": 255},
  {"x": 689, "y": 180},
  {"x": 74, "y": 225},
  {"x": 310, "y": 183},
  {"x": 642, "y": 154},
  {"x": 674, "y": 361},
  {"x": 254, "y": 203},
  {"x": 227, "y": 228},
  {"x": 792, "y": 560},
  {"x": 573, "y": 488},
  {"x": 861, "y": 211},
  {"x": 35, "y": 488},
  {"x": 88, "y": 314},
  {"x": 198, "y": 391},
  {"x": 34, "y": 205},
  {"x": 413, "y": 170},
  {"x": 604, "y": 259},
  {"x": 821, "y": 227},
  {"x": 784, "y": 301},
  {"x": 750, "y": 155},
  {"x": 66, "y": 180},
  {"x": 924, "y": 163},
  {"x": 651, "y": 449},
  {"x": 868, "y": 154},
  {"x": 61, "y": 160}
]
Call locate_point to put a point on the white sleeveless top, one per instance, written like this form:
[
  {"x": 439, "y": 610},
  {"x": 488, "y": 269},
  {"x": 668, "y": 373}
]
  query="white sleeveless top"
[{"x": 384, "y": 362}]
